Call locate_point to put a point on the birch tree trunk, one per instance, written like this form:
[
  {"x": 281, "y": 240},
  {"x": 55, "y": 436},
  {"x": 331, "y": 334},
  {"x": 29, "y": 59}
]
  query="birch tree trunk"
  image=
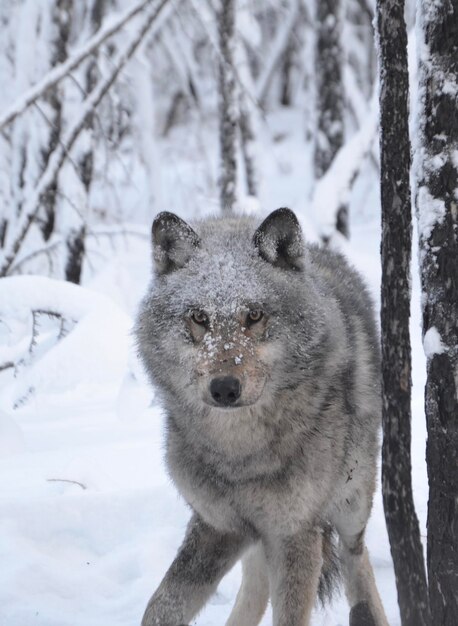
[
  {"x": 436, "y": 170},
  {"x": 401, "y": 519},
  {"x": 247, "y": 121},
  {"x": 227, "y": 107},
  {"x": 330, "y": 94}
]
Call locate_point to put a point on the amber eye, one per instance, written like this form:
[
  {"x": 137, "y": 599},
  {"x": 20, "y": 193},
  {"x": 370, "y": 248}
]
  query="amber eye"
[
  {"x": 199, "y": 317},
  {"x": 255, "y": 315}
]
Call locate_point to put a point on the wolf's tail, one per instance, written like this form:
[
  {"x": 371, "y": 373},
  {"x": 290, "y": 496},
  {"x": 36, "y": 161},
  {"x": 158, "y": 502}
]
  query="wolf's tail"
[{"x": 330, "y": 572}]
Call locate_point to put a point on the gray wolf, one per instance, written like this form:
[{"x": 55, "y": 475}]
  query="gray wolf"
[{"x": 266, "y": 355}]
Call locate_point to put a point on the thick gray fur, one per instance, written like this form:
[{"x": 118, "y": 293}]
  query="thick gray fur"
[{"x": 294, "y": 458}]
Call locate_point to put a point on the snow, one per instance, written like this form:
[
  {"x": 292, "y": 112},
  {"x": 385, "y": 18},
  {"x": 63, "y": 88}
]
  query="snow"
[
  {"x": 432, "y": 342},
  {"x": 431, "y": 211},
  {"x": 74, "y": 364}
]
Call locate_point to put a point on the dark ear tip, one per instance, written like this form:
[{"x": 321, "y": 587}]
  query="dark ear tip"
[
  {"x": 285, "y": 213},
  {"x": 281, "y": 215},
  {"x": 165, "y": 218},
  {"x": 279, "y": 239}
]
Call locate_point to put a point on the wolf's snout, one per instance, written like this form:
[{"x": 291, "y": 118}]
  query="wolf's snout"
[{"x": 225, "y": 390}]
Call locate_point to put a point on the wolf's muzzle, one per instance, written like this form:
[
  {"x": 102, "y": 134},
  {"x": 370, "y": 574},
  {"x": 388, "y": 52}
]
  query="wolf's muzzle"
[{"x": 225, "y": 390}]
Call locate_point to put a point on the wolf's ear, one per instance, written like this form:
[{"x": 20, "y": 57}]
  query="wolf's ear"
[
  {"x": 173, "y": 242},
  {"x": 279, "y": 240}
]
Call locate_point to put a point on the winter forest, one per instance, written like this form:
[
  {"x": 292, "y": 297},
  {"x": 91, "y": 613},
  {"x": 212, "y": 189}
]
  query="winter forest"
[{"x": 345, "y": 111}]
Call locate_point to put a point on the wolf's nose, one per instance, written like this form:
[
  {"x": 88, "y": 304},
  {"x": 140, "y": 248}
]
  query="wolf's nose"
[{"x": 226, "y": 390}]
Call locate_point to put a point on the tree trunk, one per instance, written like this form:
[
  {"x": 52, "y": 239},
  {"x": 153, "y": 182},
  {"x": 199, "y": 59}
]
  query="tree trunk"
[
  {"x": 401, "y": 519},
  {"x": 247, "y": 121},
  {"x": 227, "y": 107},
  {"x": 61, "y": 21},
  {"x": 248, "y": 142},
  {"x": 76, "y": 249},
  {"x": 330, "y": 104},
  {"x": 436, "y": 170},
  {"x": 330, "y": 93},
  {"x": 76, "y": 244}
]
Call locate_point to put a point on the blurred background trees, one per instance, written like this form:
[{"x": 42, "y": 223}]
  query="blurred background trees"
[{"x": 196, "y": 62}]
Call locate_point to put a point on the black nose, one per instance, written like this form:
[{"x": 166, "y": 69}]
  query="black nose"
[{"x": 226, "y": 390}]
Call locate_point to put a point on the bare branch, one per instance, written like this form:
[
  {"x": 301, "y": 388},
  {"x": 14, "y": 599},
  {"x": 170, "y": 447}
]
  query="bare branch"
[
  {"x": 47, "y": 249},
  {"x": 130, "y": 230}
]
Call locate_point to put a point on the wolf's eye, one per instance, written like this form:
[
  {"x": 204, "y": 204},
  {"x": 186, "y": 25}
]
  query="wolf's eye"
[
  {"x": 199, "y": 317},
  {"x": 255, "y": 315}
]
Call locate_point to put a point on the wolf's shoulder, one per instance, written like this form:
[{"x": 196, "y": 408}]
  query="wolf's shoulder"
[{"x": 336, "y": 275}]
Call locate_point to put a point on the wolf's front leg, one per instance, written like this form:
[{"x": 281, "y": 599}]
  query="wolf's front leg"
[
  {"x": 202, "y": 560},
  {"x": 294, "y": 572},
  {"x": 253, "y": 596}
]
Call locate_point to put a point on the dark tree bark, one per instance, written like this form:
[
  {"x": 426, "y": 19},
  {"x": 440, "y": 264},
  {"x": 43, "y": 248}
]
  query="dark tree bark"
[
  {"x": 330, "y": 94},
  {"x": 286, "y": 74},
  {"x": 248, "y": 139},
  {"x": 3, "y": 229},
  {"x": 61, "y": 17},
  {"x": 330, "y": 104},
  {"x": 76, "y": 244},
  {"x": 437, "y": 209},
  {"x": 401, "y": 519},
  {"x": 227, "y": 106},
  {"x": 247, "y": 119},
  {"x": 75, "y": 255}
]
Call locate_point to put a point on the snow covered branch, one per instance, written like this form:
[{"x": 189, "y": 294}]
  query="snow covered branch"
[
  {"x": 43, "y": 354},
  {"x": 58, "y": 157},
  {"x": 110, "y": 28},
  {"x": 333, "y": 189}
]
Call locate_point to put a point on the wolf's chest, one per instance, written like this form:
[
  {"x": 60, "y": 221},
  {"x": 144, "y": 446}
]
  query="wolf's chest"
[{"x": 278, "y": 503}]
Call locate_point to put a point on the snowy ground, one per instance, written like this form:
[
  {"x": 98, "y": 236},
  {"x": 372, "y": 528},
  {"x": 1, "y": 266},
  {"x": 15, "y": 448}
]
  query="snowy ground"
[{"x": 89, "y": 520}]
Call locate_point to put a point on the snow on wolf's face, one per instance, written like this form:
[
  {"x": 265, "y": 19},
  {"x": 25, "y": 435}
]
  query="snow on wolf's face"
[
  {"x": 212, "y": 330},
  {"x": 231, "y": 359}
]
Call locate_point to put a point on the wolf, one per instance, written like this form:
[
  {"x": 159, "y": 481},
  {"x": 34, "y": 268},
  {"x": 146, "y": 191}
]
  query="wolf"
[{"x": 266, "y": 355}]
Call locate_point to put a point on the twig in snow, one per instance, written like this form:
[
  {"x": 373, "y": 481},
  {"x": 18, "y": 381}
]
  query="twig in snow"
[{"x": 66, "y": 480}]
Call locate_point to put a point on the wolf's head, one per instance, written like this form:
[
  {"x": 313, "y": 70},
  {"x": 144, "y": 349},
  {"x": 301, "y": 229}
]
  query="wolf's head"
[{"x": 231, "y": 314}]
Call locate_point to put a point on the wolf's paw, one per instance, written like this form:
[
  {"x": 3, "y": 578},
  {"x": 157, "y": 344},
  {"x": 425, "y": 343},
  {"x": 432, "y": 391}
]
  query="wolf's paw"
[{"x": 360, "y": 615}]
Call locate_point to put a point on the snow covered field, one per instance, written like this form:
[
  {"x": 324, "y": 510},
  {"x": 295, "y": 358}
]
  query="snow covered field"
[{"x": 89, "y": 520}]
